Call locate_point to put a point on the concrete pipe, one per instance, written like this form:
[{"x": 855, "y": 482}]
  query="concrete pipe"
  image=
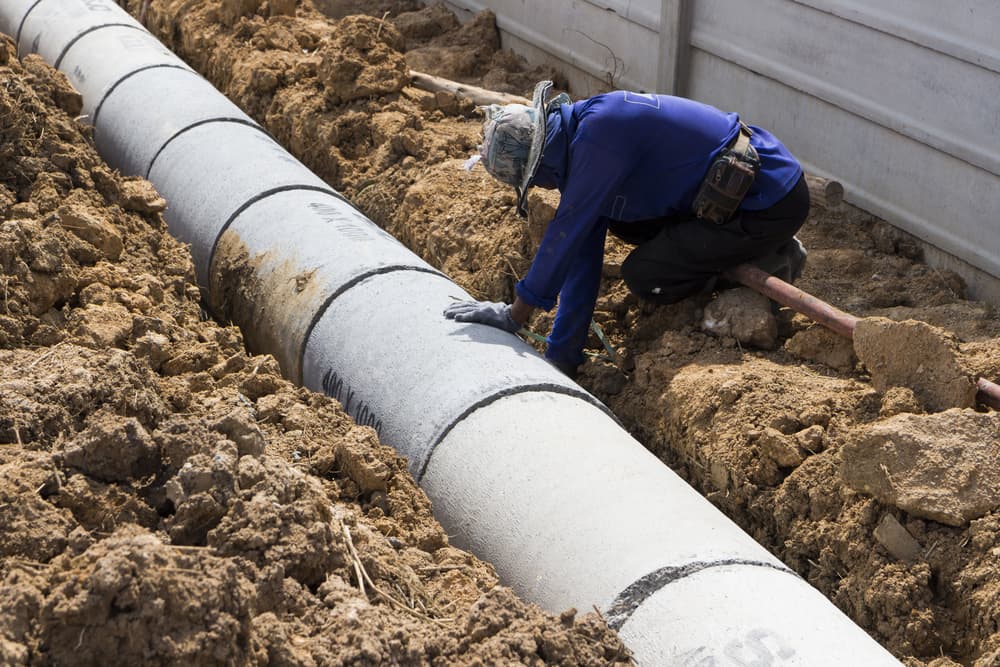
[
  {"x": 276, "y": 301},
  {"x": 214, "y": 172},
  {"x": 144, "y": 130},
  {"x": 528, "y": 470},
  {"x": 50, "y": 27},
  {"x": 571, "y": 509},
  {"x": 424, "y": 374},
  {"x": 127, "y": 51}
]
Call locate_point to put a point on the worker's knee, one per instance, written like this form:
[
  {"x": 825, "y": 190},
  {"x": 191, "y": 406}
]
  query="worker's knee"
[{"x": 655, "y": 282}]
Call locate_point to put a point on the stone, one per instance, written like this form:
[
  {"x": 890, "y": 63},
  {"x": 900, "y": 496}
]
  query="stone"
[
  {"x": 745, "y": 315},
  {"x": 780, "y": 448},
  {"x": 896, "y": 539},
  {"x": 941, "y": 466}
]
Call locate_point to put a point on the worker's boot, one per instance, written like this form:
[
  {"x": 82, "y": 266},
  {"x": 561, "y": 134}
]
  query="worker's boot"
[
  {"x": 786, "y": 262},
  {"x": 796, "y": 253}
]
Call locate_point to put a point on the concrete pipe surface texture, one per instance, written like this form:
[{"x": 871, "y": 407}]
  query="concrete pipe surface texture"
[{"x": 524, "y": 467}]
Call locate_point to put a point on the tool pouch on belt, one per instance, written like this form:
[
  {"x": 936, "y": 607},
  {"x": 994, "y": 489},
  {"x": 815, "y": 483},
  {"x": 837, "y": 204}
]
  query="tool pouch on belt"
[{"x": 729, "y": 178}]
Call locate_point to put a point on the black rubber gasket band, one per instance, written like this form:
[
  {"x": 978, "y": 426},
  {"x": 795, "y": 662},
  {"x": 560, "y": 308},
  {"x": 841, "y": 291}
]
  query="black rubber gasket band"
[
  {"x": 20, "y": 26},
  {"x": 642, "y": 589},
  {"x": 89, "y": 30}
]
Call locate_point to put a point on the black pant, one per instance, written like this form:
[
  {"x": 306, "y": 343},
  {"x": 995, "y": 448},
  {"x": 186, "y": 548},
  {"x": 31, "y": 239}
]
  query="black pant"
[{"x": 680, "y": 256}]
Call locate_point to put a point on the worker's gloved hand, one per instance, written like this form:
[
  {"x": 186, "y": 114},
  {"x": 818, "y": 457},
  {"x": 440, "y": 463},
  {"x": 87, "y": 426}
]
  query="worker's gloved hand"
[{"x": 483, "y": 312}]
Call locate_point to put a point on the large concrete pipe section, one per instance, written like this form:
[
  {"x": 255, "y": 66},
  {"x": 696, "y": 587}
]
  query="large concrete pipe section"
[{"x": 524, "y": 467}]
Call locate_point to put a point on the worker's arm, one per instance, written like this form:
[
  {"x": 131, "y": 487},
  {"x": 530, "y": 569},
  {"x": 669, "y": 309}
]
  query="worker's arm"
[
  {"x": 597, "y": 167},
  {"x": 576, "y": 303}
]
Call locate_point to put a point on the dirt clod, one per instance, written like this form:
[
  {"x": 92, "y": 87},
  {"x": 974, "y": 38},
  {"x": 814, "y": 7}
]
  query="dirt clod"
[
  {"x": 916, "y": 355},
  {"x": 938, "y": 466},
  {"x": 113, "y": 449}
]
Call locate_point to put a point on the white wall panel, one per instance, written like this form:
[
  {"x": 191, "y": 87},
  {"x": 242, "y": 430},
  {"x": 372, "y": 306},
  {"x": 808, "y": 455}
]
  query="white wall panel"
[
  {"x": 599, "y": 44},
  {"x": 890, "y": 81},
  {"x": 965, "y": 30}
]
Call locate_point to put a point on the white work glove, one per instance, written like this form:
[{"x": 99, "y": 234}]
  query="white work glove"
[{"x": 483, "y": 312}]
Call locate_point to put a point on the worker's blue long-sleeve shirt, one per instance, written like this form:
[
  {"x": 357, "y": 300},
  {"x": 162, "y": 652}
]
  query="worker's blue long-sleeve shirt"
[{"x": 626, "y": 157}]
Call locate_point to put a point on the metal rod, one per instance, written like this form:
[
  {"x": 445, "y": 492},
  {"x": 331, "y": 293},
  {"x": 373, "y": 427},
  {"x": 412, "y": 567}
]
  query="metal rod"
[{"x": 989, "y": 393}]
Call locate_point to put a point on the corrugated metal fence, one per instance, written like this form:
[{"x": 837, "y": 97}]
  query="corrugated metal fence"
[{"x": 897, "y": 99}]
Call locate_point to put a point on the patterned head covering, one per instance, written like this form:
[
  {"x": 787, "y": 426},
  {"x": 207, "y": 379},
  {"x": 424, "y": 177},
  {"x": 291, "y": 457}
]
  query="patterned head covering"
[{"x": 513, "y": 139}]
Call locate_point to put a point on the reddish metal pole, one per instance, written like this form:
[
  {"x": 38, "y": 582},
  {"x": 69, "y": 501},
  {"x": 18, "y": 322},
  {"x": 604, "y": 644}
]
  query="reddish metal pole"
[
  {"x": 989, "y": 393},
  {"x": 832, "y": 318}
]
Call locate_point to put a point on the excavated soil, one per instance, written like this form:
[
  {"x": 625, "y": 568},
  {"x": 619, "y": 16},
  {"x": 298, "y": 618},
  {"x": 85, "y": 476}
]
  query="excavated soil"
[
  {"x": 168, "y": 498},
  {"x": 140, "y": 433}
]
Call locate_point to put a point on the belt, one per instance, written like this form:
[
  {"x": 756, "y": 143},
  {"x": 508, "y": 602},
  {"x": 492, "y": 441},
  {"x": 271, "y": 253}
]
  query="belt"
[{"x": 741, "y": 144}]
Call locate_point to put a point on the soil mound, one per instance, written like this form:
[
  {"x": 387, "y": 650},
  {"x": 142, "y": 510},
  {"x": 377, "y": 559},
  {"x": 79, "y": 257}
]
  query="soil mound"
[{"x": 166, "y": 497}]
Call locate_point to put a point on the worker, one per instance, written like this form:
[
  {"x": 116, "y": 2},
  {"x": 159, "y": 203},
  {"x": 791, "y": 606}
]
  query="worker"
[{"x": 696, "y": 190}]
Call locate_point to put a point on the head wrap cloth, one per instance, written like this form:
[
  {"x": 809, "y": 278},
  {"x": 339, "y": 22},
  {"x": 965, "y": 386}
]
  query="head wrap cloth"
[{"x": 514, "y": 138}]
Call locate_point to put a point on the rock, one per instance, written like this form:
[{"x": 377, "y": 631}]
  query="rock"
[
  {"x": 780, "y": 448},
  {"x": 139, "y": 195},
  {"x": 917, "y": 355},
  {"x": 745, "y": 315},
  {"x": 821, "y": 345},
  {"x": 113, "y": 449},
  {"x": 92, "y": 229},
  {"x": 896, "y": 539},
  {"x": 940, "y": 466}
]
